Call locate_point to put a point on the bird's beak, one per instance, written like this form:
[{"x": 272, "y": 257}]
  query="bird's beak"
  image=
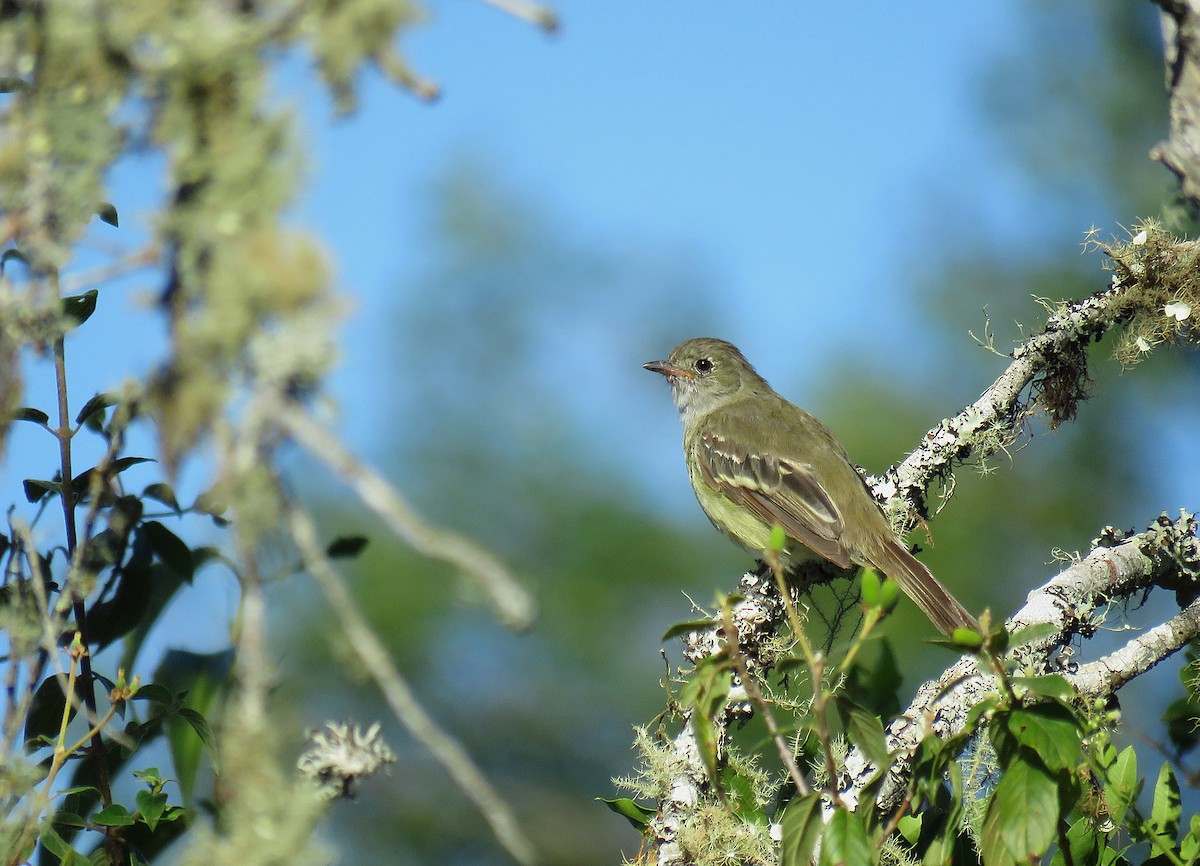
[{"x": 668, "y": 369}]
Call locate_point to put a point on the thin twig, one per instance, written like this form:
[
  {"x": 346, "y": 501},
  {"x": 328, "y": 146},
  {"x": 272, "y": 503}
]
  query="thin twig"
[
  {"x": 375, "y": 657},
  {"x": 78, "y": 603},
  {"x": 750, "y": 684},
  {"x": 513, "y": 604}
]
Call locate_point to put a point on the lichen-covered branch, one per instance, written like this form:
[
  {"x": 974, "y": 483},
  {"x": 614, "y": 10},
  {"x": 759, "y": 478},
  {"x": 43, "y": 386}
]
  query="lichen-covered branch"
[
  {"x": 1181, "y": 43},
  {"x": 1117, "y": 571},
  {"x": 1154, "y": 293}
]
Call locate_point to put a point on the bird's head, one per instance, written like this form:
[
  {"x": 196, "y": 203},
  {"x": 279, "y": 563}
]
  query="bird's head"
[{"x": 704, "y": 372}]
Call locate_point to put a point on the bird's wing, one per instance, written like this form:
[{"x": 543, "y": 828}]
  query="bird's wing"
[{"x": 777, "y": 491}]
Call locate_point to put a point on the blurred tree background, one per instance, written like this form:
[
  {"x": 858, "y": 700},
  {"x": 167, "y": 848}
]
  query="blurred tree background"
[{"x": 498, "y": 418}]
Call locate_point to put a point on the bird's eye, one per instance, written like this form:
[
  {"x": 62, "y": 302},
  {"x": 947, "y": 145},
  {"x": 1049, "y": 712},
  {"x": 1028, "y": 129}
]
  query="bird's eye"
[{"x": 704, "y": 365}]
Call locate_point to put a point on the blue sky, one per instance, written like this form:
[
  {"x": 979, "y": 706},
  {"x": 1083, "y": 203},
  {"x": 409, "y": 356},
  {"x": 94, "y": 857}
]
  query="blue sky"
[{"x": 795, "y": 149}]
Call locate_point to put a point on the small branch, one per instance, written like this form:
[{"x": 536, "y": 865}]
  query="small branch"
[
  {"x": 374, "y": 656},
  {"x": 1180, "y": 153},
  {"x": 512, "y": 603},
  {"x": 533, "y": 13},
  {"x": 65, "y": 435},
  {"x": 1053, "y": 361}
]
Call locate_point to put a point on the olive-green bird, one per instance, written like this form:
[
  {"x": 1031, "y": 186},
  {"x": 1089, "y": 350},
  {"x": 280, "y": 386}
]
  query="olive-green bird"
[{"x": 756, "y": 461}]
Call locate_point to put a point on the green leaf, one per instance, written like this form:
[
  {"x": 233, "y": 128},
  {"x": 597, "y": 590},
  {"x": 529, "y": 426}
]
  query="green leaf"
[
  {"x": 97, "y": 403},
  {"x": 800, "y": 827},
  {"x": 1164, "y": 814},
  {"x": 1083, "y": 842},
  {"x": 78, "y": 789},
  {"x": 151, "y": 807},
  {"x": 742, "y": 799},
  {"x": 845, "y": 840},
  {"x": 202, "y": 677},
  {"x": 1050, "y": 731},
  {"x": 637, "y": 815},
  {"x": 70, "y": 819},
  {"x": 706, "y": 741},
  {"x": 203, "y": 731},
  {"x": 36, "y": 489},
  {"x": 35, "y": 416},
  {"x": 58, "y": 846},
  {"x": 1021, "y": 816},
  {"x": 864, "y": 730},
  {"x": 1048, "y": 686},
  {"x": 164, "y": 493},
  {"x": 151, "y": 776},
  {"x": 79, "y": 308},
  {"x": 689, "y": 626},
  {"x": 108, "y": 213},
  {"x": 170, "y": 549},
  {"x": 346, "y": 546},
  {"x": 44, "y": 718},
  {"x": 1122, "y": 788},
  {"x": 1189, "y": 848},
  {"x": 115, "y": 815},
  {"x": 910, "y": 828},
  {"x": 1032, "y": 633}
]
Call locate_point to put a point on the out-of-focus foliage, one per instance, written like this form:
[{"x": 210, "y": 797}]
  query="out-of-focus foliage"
[{"x": 503, "y": 365}]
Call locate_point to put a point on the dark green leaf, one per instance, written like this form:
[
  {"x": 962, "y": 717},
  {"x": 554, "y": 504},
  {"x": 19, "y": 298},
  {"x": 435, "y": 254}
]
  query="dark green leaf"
[
  {"x": 36, "y": 416},
  {"x": 12, "y": 254},
  {"x": 864, "y": 730},
  {"x": 79, "y": 308},
  {"x": 171, "y": 551},
  {"x": 58, "y": 846},
  {"x": 346, "y": 546},
  {"x": 151, "y": 807},
  {"x": 706, "y": 741},
  {"x": 800, "y": 827},
  {"x": 845, "y": 840},
  {"x": 12, "y": 84},
  {"x": 637, "y": 815},
  {"x": 164, "y": 493},
  {"x": 689, "y": 626},
  {"x": 115, "y": 815},
  {"x": 70, "y": 819},
  {"x": 154, "y": 692},
  {"x": 1084, "y": 841},
  {"x": 45, "y": 715},
  {"x": 1049, "y": 730},
  {"x": 108, "y": 213},
  {"x": 112, "y": 619},
  {"x": 36, "y": 489},
  {"x": 1021, "y": 817},
  {"x": 97, "y": 403}
]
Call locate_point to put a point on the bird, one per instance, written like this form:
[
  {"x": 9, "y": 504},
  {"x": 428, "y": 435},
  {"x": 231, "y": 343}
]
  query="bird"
[{"x": 756, "y": 461}]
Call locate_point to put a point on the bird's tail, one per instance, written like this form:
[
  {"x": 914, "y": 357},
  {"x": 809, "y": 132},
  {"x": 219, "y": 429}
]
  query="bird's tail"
[{"x": 916, "y": 581}]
